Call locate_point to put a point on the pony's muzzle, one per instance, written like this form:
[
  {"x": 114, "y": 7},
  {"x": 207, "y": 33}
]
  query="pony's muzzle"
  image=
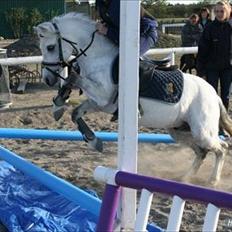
[
  {"x": 50, "y": 82},
  {"x": 49, "y": 78}
]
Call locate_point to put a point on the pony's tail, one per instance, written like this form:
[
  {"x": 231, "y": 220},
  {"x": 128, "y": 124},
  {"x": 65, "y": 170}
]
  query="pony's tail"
[{"x": 225, "y": 120}]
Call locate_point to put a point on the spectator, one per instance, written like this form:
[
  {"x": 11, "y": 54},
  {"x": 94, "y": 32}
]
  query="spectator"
[
  {"x": 204, "y": 17},
  {"x": 190, "y": 37},
  {"x": 214, "y": 51},
  {"x": 109, "y": 11},
  {"x": 191, "y": 32}
]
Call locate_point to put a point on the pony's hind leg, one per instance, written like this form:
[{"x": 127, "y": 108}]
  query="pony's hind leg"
[
  {"x": 183, "y": 135},
  {"x": 201, "y": 145},
  {"x": 220, "y": 154},
  {"x": 199, "y": 158},
  {"x": 219, "y": 148}
]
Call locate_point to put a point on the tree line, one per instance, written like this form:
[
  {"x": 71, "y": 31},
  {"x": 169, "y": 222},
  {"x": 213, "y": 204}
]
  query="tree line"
[
  {"x": 22, "y": 20},
  {"x": 163, "y": 8}
]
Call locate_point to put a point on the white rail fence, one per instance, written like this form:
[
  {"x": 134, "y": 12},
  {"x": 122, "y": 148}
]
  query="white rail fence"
[
  {"x": 171, "y": 25},
  {"x": 156, "y": 51},
  {"x": 172, "y": 52}
]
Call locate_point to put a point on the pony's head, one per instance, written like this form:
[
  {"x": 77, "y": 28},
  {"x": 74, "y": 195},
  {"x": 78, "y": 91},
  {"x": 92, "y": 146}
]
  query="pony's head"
[
  {"x": 67, "y": 35},
  {"x": 56, "y": 51}
]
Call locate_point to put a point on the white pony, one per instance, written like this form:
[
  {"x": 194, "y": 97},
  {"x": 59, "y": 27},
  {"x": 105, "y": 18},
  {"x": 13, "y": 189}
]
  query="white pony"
[{"x": 199, "y": 106}]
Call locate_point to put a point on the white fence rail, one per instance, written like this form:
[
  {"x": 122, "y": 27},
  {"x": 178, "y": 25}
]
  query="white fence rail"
[
  {"x": 172, "y": 52},
  {"x": 171, "y": 25},
  {"x": 21, "y": 60},
  {"x": 156, "y": 51}
]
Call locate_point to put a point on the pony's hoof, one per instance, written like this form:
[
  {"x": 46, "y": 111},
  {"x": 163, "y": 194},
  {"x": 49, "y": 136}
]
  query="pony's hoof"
[
  {"x": 58, "y": 112},
  {"x": 212, "y": 183},
  {"x": 96, "y": 144},
  {"x": 185, "y": 177}
]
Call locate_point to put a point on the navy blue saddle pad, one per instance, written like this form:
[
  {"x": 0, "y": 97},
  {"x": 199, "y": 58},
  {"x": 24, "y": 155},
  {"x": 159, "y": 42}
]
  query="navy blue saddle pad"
[
  {"x": 160, "y": 85},
  {"x": 165, "y": 86}
]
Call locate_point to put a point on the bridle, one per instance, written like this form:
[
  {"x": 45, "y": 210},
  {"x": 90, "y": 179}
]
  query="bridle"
[{"x": 62, "y": 62}]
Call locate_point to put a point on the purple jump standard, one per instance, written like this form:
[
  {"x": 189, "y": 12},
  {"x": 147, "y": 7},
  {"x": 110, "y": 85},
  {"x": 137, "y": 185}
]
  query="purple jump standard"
[{"x": 109, "y": 208}]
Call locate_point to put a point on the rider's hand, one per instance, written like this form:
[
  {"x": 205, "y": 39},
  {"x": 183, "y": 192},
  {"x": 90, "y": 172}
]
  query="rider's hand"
[{"x": 102, "y": 28}]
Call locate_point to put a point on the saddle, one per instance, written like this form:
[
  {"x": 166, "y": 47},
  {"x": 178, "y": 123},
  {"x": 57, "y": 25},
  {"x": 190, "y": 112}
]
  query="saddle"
[
  {"x": 156, "y": 80},
  {"x": 158, "y": 64}
]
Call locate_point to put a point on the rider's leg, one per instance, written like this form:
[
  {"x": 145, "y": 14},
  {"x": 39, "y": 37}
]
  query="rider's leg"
[
  {"x": 146, "y": 42},
  {"x": 115, "y": 114}
]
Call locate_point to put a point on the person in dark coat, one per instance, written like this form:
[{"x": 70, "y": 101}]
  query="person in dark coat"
[
  {"x": 190, "y": 36},
  {"x": 204, "y": 17},
  {"x": 109, "y": 11},
  {"x": 214, "y": 51},
  {"x": 191, "y": 32}
]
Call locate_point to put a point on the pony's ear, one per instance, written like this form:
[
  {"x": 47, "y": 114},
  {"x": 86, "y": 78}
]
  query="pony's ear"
[
  {"x": 35, "y": 30},
  {"x": 44, "y": 28}
]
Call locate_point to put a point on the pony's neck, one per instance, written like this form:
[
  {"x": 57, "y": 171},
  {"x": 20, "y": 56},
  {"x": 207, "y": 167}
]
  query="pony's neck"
[
  {"x": 80, "y": 30},
  {"x": 72, "y": 30}
]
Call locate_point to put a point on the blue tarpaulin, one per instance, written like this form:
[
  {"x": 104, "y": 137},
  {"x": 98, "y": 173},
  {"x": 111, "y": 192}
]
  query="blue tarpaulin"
[{"x": 26, "y": 205}]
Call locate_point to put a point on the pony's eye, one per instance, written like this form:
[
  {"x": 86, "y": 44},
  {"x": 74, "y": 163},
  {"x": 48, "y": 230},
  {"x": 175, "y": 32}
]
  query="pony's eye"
[{"x": 50, "y": 48}]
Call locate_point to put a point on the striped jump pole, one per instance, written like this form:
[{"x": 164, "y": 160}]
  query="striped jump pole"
[{"x": 149, "y": 185}]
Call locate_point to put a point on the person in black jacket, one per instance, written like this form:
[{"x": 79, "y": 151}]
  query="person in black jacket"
[
  {"x": 191, "y": 32},
  {"x": 213, "y": 59},
  {"x": 190, "y": 36},
  {"x": 109, "y": 11}
]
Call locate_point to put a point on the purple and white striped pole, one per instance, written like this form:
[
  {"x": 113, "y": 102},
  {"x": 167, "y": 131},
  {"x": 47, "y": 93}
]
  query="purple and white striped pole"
[{"x": 216, "y": 199}]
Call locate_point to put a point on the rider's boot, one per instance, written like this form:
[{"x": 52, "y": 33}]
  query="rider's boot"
[{"x": 115, "y": 114}]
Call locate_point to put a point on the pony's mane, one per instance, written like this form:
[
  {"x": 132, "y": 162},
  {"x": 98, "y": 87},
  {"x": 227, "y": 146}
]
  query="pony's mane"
[{"x": 74, "y": 15}]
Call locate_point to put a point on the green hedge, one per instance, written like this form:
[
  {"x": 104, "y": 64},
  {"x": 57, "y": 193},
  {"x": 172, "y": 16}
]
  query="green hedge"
[{"x": 27, "y": 13}]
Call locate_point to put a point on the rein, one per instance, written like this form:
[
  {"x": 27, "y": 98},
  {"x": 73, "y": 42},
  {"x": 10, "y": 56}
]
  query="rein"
[{"x": 61, "y": 61}]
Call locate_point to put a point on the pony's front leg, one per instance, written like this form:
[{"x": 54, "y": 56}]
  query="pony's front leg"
[
  {"x": 59, "y": 105},
  {"x": 88, "y": 135}
]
